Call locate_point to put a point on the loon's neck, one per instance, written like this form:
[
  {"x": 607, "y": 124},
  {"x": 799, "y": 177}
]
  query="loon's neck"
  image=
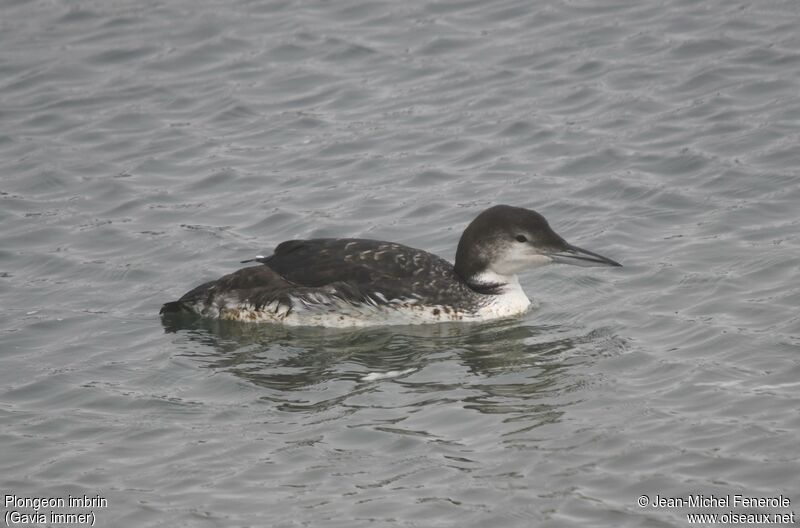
[
  {"x": 504, "y": 294},
  {"x": 490, "y": 283}
]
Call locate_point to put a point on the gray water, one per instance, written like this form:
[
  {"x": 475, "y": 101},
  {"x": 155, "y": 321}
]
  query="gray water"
[{"x": 146, "y": 147}]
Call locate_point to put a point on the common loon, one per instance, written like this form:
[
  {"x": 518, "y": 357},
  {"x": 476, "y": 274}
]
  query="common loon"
[{"x": 358, "y": 282}]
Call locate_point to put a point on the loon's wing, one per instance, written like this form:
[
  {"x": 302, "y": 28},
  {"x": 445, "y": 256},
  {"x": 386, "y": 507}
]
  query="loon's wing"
[
  {"x": 369, "y": 266},
  {"x": 230, "y": 289}
]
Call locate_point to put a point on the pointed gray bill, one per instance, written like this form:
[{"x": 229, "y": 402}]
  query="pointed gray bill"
[{"x": 581, "y": 257}]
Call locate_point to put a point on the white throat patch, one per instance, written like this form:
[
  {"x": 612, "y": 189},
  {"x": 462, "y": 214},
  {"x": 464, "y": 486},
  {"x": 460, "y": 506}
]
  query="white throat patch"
[{"x": 510, "y": 301}]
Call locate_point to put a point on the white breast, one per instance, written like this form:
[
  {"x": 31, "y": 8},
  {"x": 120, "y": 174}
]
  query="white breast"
[{"x": 511, "y": 301}]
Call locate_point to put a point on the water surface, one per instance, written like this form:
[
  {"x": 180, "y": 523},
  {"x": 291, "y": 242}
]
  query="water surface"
[{"x": 148, "y": 147}]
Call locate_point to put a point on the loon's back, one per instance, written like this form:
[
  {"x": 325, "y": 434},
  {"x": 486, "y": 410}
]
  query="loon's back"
[{"x": 322, "y": 261}]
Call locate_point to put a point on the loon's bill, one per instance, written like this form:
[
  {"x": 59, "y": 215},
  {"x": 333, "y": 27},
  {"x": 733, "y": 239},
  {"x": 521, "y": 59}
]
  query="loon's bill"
[
  {"x": 358, "y": 282},
  {"x": 582, "y": 257}
]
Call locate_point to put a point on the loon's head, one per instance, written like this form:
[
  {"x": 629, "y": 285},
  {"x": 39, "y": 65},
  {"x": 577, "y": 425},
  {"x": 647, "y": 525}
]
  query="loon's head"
[{"x": 504, "y": 240}]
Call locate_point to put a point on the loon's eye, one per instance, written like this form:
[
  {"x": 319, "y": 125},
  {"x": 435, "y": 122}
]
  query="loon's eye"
[{"x": 521, "y": 238}]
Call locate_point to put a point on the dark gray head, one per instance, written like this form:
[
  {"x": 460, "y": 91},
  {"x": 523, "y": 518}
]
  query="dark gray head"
[{"x": 503, "y": 240}]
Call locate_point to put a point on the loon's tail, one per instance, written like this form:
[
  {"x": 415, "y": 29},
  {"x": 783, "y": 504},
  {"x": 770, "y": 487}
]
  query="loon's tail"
[{"x": 174, "y": 307}]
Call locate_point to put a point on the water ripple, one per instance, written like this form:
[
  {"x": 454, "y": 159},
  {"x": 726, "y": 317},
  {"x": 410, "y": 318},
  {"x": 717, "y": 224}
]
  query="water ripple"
[{"x": 147, "y": 149}]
